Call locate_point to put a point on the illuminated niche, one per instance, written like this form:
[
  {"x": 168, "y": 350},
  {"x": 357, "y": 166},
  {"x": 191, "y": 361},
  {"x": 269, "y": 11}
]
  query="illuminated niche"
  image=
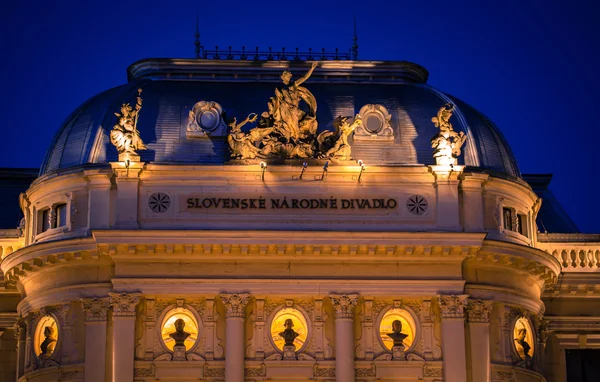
[
  {"x": 278, "y": 326},
  {"x": 523, "y": 339},
  {"x": 168, "y": 327},
  {"x": 409, "y": 328},
  {"x": 46, "y": 336}
]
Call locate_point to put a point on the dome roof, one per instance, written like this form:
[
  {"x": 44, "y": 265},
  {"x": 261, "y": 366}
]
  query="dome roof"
[{"x": 172, "y": 87}]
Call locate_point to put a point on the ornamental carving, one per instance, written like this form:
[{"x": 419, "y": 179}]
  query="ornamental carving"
[
  {"x": 124, "y": 304},
  {"x": 142, "y": 372},
  {"x": 96, "y": 309},
  {"x": 375, "y": 124},
  {"x": 206, "y": 118},
  {"x": 453, "y": 306},
  {"x": 213, "y": 371},
  {"x": 344, "y": 304},
  {"x": 235, "y": 303},
  {"x": 323, "y": 371},
  {"x": 256, "y": 372},
  {"x": 364, "y": 372},
  {"x": 288, "y": 129},
  {"x": 447, "y": 142},
  {"x": 429, "y": 371},
  {"x": 479, "y": 310},
  {"x": 125, "y": 135}
]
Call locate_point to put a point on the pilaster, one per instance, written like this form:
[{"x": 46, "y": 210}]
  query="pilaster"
[
  {"x": 453, "y": 337},
  {"x": 123, "y": 305},
  {"x": 235, "y": 306},
  {"x": 473, "y": 212},
  {"x": 478, "y": 315},
  {"x": 127, "y": 177},
  {"x": 446, "y": 186},
  {"x": 343, "y": 305},
  {"x": 96, "y": 313}
]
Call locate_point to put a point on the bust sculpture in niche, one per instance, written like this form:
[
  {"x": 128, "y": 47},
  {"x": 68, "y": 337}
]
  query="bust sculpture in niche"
[
  {"x": 179, "y": 336},
  {"x": 289, "y": 335},
  {"x": 397, "y": 335},
  {"x": 47, "y": 347},
  {"x": 520, "y": 339}
]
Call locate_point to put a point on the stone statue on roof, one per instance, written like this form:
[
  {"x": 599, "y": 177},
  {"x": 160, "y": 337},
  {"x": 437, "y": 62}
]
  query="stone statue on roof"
[
  {"x": 447, "y": 143},
  {"x": 125, "y": 136}
]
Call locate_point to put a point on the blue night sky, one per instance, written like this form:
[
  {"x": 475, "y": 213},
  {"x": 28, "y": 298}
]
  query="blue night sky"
[{"x": 529, "y": 65}]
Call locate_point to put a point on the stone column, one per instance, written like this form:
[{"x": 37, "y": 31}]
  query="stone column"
[
  {"x": 128, "y": 179},
  {"x": 96, "y": 311},
  {"x": 235, "y": 306},
  {"x": 344, "y": 336},
  {"x": 123, "y": 352},
  {"x": 19, "y": 332},
  {"x": 98, "y": 199},
  {"x": 478, "y": 313},
  {"x": 453, "y": 337},
  {"x": 446, "y": 185},
  {"x": 472, "y": 201}
]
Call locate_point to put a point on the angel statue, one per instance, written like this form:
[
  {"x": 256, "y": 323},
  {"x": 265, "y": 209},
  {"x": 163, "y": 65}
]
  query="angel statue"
[
  {"x": 242, "y": 145},
  {"x": 336, "y": 144},
  {"x": 125, "y": 135},
  {"x": 447, "y": 143},
  {"x": 284, "y": 111}
]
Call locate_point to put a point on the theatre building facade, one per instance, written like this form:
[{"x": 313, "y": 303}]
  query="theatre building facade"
[{"x": 290, "y": 220}]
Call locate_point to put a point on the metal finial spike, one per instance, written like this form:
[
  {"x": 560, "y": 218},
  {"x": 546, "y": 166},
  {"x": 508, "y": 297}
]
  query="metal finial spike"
[
  {"x": 197, "y": 35},
  {"x": 355, "y": 42}
]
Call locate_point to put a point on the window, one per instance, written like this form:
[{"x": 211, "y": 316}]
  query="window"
[
  {"x": 60, "y": 215},
  {"x": 522, "y": 224},
  {"x": 507, "y": 216},
  {"x": 44, "y": 223}
]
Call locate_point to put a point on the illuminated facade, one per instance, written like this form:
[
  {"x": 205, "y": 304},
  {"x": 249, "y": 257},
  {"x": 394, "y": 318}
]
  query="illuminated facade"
[{"x": 183, "y": 244}]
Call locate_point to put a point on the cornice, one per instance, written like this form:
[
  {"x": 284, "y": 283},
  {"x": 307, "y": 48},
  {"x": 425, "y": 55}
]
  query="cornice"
[
  {"x": 519, "y": 257},
  {"x": 405, "y": 239},
  {"x": 285, "y": 287}
]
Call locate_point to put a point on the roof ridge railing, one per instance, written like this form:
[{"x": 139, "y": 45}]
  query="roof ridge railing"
[{"x": 270, "y": 55}]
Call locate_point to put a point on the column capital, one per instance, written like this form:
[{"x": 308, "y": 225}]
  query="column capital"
[
  {"x": 124, "y": 304},
  {"x": 453, "y": 306},
  {"x": 96, "y": 309},
  {"x": 235, "y": 303},
  {"x": 479, "y": 310},
  {"x": 19, "y": 328},
  {"x": 344, "y": 304}
]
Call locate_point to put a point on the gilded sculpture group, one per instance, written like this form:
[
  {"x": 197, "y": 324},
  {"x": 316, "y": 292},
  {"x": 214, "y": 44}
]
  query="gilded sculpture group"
[{"x": 287, "y": 130}]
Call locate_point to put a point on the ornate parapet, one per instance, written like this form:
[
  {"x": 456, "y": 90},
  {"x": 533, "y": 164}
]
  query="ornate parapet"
[
  {"x": 453, "y": 306},
  {"x": 479, "y": 310},
  {"x": 235, "y": 303},
  {"x": 123, "y": 304},
  {"x": 96, "y": 309},
  {"x": 344, "y": 304}
]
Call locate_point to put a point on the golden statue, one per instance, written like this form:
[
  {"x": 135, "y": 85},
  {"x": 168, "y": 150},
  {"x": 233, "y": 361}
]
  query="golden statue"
[
  {"x": 284, "y": 111},
  {"x": 335, "y": 145},
  {"x": 447, "y": 142},
  {"x": 125, "y": 135},
  {"x": 242, "y": 145}
]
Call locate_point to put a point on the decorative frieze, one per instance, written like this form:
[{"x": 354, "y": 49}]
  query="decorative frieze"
[
  {"x": 479, "y": 310},
  {"x": 96, "y": 309},
  {"x": 344, "y": 304},
  {"x": 453, "y": 306},
  {"x": 124, "y": 304},
  {"x": 235, "y": 303}
]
